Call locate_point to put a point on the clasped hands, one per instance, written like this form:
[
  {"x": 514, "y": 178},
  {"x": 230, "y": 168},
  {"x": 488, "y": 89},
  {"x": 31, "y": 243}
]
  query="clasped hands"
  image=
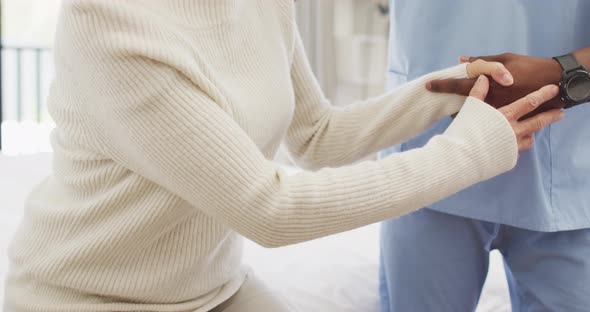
[{"x": 523, "y": 88}]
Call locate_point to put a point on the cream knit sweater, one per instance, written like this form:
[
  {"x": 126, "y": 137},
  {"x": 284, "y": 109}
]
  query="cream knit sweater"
[{"x": 168, "y": 116}]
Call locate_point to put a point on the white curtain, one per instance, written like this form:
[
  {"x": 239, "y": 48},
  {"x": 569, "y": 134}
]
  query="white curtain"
[
  {"x": 315, "y": 20},
  {"x": 346, "y": 42}
]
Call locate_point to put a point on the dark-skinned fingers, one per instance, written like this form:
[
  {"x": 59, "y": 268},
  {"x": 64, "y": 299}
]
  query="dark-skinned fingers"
[
  {"x": 530, "y": 102},
  {"x": 502, "y": 58},
  {"x": 464, "y": 59},
  {"x": 535, "y": 124},
  {"x": 481, "y": 88},
  {"x": 470, "y": 59},
  {"x": 487, "y": 58},
  {"x": 455, "y": 86}
]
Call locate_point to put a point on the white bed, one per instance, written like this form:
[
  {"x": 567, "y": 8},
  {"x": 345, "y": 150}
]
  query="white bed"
[{"x": 337, "y": 273}]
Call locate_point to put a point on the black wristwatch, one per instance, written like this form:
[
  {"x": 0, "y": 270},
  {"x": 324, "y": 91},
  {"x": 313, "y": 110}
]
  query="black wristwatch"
[{"x": 575, "y": 81}]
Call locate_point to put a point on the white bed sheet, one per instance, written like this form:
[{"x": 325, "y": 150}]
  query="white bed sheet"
[{"x": 337, "y": 273}]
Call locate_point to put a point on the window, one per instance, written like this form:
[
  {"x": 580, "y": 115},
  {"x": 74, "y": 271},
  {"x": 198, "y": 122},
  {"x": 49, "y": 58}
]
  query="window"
[
  {"x": 346, "y": 41},
  {"x": 27, "y": 69}
]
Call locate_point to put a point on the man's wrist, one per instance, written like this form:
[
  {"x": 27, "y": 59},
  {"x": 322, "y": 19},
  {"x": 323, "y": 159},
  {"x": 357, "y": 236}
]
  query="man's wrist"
[
  {"x": 583, "y": 57},
  {"x": 553, "y": 71}
]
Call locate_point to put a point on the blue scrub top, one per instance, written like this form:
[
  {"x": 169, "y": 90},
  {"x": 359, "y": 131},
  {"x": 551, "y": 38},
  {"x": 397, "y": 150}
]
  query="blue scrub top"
[{"x": 550, "y": 188}]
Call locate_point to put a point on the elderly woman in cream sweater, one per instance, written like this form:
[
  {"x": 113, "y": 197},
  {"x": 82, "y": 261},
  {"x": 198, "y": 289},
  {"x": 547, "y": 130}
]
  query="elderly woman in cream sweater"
[{"x": 169, "y": 114}]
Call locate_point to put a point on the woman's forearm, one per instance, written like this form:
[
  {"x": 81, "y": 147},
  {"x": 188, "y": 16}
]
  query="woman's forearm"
[
  {"x": 478, "y": 146},
  {"x": 323, "y": 135},
  {"x": 344, "y": 135},
  {"x": 161, "y": 126},
  {"x": 209, "y": 161}
]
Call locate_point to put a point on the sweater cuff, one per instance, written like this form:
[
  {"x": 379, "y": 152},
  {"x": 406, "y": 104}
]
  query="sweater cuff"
[
  {"x": 490, "y": 134},
  {"x": 446, "y": 103}
]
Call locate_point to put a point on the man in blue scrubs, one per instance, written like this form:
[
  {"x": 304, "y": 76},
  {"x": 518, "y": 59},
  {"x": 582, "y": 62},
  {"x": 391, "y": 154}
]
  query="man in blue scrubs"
[{"x": 537, "y": 215}]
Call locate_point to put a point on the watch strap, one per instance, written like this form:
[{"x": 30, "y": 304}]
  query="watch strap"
[{"x": 568, "y": 62}]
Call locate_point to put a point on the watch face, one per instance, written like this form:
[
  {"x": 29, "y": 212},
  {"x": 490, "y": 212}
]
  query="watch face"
[{"x": 578, "y": 88}]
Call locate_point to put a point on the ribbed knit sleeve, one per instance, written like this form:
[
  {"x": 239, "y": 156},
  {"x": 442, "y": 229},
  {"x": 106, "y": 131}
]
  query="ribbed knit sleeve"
[
  {"x": 324, "y": 135},
  {"x": 168, "y": 114},
  {"x": 151, "y": 118}
]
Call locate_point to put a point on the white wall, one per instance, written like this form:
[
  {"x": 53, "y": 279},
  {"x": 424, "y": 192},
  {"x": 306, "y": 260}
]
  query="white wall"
[
  {"x": 29, "y": 21},
  {"x": 346, "y": 41}
]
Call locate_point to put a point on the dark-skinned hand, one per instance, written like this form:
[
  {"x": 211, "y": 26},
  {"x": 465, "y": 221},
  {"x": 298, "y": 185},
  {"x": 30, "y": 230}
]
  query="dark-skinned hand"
[{"x": 530, "y": 74}]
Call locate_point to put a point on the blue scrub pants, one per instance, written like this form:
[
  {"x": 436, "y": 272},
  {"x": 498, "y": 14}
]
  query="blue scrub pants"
[{"x": 436, "y": 262}]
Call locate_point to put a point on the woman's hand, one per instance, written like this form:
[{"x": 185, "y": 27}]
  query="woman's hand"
[
  {"x": 524, "y": 129},
  {"x": 496, "y": 70},
  {"x": 479, "y": 67}
]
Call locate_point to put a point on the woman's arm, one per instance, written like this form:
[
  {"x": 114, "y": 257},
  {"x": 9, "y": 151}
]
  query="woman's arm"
[
  {"x": 324, "y": 135},
  {"x": 158, "y": 124},
  {"x": 150, "y": 118}
]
